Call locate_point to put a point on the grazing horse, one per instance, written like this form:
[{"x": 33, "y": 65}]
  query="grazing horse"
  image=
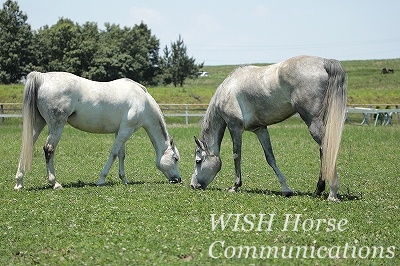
[
  {"x": 251, "y": 98},
  {"x": 121, "y": 107}
]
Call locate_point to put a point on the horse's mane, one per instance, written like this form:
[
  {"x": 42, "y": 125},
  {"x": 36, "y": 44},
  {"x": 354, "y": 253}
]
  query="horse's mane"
[
  {"x": 212, "y": 123},
  {"x": 231, "y": 74},
  {"x": 207, "y": 122}
]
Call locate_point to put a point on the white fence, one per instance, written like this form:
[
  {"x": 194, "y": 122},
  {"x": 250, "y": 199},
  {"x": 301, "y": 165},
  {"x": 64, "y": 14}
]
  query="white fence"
[
  {"x": 184, "y": 110},
  {"x": 384, "y": 116}
]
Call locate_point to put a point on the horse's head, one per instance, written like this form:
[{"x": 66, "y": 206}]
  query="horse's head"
[
  {"x": 207, "y": 165},
  {"x": 168, "y": 163}
]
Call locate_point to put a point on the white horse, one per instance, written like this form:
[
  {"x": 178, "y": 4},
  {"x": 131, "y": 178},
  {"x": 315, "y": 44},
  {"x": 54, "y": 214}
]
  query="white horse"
[
  {"x": 121, "y": 107},
  {"x": 251, "y": 98}
]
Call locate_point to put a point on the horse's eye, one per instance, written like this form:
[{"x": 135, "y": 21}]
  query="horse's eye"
[
  {"x": 198, "y": 161},
  {"x": 176, "y": 158}
]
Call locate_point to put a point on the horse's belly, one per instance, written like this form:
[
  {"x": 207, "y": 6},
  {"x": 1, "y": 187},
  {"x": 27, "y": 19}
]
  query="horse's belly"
[
  {"x": 271, "y": 114},
  {"x": 94, "y": 124}
]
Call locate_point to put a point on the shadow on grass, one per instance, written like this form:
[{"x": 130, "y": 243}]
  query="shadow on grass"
[
  {"x": 342, "y": 197},
  {"x": 82, "y": 184}
]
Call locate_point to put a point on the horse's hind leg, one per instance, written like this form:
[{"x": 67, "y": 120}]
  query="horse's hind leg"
[
  {"x": 317, "y": 130},
  {"x": 49, "y": 149},
  {"x": 37, "y": 129},
  {"x": 321, "y": 182},
  {"x": 263, "y": 137}
]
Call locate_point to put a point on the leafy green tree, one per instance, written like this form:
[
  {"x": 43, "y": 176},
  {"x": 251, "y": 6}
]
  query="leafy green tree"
[
  {"x": 15, "y": 43},
  {"x": 127, "y": 52},
  {"x": 59, "y": 47},
  {"x": 89, "y": 45},
  {"x": 176, "y": 65},
  {"x": 143, "y": 49}
]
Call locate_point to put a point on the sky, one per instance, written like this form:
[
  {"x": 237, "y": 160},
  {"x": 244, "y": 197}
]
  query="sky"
[{"x": 226, "y": 32}]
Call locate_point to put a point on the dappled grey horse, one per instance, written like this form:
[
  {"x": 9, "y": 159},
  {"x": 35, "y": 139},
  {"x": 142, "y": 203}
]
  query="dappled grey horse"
[
  {"x": 252, "y": 97},
  {"x": 120, "y": 107}
]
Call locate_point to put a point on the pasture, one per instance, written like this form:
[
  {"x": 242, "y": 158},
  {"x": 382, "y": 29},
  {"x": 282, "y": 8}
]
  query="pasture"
[{"x": 152, "y": 222}]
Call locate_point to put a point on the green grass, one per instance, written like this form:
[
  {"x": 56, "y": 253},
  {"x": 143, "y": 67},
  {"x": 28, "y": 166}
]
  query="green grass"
[
  {"x": 152, "y": 222},
  {"x": 366, "y": 84}
]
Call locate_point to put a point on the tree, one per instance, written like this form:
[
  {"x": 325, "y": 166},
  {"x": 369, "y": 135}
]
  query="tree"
[
  {"x": 127, "y": 52},
  {"x": 58, "y": 48},
  {"x": 176, "y": 65},
  {"x": 88, "y": 47},
  {"x": 15, "y": 43}
]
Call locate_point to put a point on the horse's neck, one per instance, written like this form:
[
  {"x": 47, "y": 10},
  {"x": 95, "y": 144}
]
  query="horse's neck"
[
  {"x": 213, "y": 129},
  {"x": 157, "y": 132}
]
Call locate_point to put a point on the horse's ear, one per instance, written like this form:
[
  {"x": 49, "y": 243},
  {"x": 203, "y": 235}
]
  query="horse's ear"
[
  {"x": 199, "y": 143},
  {"x": 171, "y": 141}
]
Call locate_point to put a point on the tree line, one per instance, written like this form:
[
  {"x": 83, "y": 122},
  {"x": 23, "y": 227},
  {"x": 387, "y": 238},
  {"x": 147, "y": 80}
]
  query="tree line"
[{"x": 87, "y": 51}]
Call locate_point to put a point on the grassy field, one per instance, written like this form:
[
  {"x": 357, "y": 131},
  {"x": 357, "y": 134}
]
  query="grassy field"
[{"x": 152, "y": 222}]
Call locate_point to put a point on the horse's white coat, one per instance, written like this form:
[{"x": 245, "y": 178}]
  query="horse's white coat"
[{"x": 121, "y": 107}]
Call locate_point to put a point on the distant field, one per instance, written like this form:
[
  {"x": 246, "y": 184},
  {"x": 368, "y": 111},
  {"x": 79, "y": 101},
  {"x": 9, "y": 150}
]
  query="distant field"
[
  {"x": 366, "y": 85},
  {"x": 152, "y": 222}
]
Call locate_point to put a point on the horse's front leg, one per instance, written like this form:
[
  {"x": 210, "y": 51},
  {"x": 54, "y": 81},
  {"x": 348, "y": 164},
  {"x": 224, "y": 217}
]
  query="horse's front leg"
[
  {"x": 121, "y": 163},
  {"x": 121, "y": 138},
  {"x": 263, "y": 137},
  {"x": 237, "y": 157}
]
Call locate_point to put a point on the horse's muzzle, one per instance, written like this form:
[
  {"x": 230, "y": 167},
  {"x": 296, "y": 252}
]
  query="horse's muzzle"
[
  {"x": 175, "y": 179},
  {"x": 197, "y": 186}
]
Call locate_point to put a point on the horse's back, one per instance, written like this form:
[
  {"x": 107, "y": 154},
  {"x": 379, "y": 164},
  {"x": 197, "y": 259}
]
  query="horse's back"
[
  {"x": 98, "y": 107},
  {"x": 253, "y": 94},
  {"x": 264, "y": 95}
]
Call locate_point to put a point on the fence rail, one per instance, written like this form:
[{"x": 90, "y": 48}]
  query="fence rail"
[{"x": 13, "y": 110}]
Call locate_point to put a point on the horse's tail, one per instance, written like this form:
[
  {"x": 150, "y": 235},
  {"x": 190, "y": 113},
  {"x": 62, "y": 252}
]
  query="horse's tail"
[
  {"x": 29, "y": 109},
  {"x": 334, "y": 111}
]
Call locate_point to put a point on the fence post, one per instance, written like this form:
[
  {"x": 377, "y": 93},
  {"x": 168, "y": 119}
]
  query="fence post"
[
  {"x": 187, "y": 114},
  {"x": 2, "y": 112}
]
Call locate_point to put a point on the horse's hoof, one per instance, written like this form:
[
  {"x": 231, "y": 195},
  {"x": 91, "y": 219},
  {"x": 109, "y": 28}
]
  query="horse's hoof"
[
  {"x": 19, "y": 187},
  {"x": 333, "y": 199},
  {"x": 100, "y": 184},
  {"x": 287, "y": 193},
  {"x": 232, "y": 189},
  {"x": 57, "y": 186}
]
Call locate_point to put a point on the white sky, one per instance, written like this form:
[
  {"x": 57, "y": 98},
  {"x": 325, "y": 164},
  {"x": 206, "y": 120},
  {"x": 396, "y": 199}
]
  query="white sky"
[{"x": 244, "y": 32}]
